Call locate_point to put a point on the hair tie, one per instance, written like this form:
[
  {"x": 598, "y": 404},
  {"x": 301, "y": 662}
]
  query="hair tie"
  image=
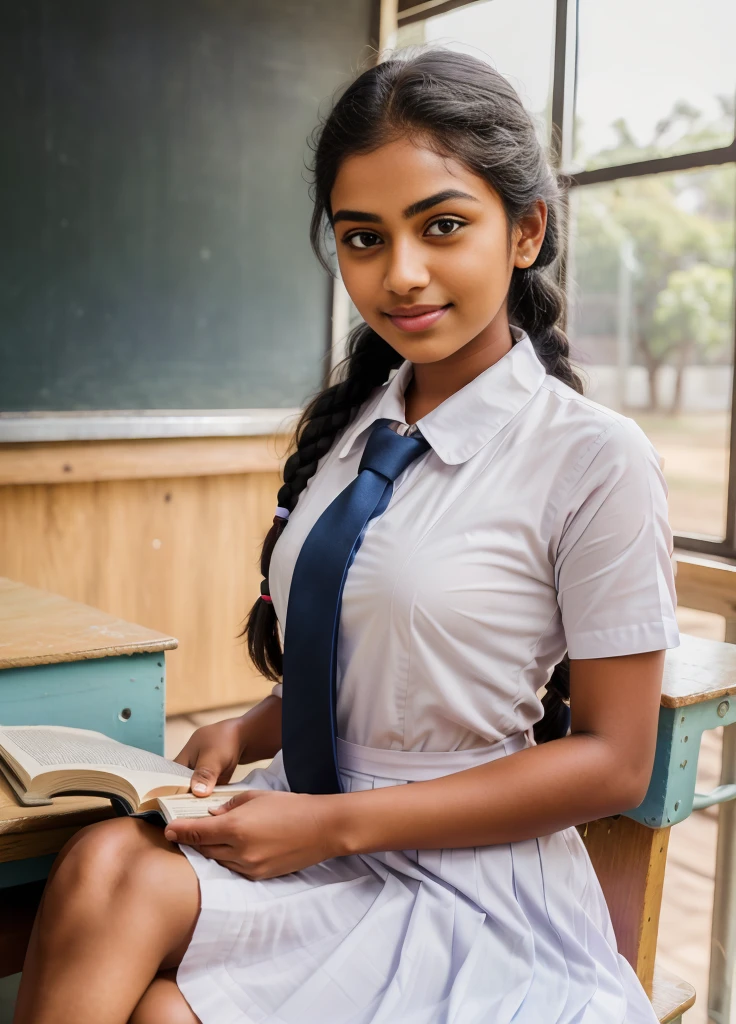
[
  {"x": 265, "y": 592},
  {"x": 281, "y": 512}
]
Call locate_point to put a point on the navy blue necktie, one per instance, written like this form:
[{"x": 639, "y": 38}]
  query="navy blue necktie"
[{"x": 313, "y": 611}]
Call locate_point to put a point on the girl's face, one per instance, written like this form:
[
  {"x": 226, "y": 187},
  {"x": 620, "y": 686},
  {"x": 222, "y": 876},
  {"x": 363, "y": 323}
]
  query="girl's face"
[{"x": 415, "y": 229}]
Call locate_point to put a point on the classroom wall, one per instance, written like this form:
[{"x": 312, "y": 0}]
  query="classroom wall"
[
  {"x": 163, "y": 533},
  {"x": 157, "y": 257}
]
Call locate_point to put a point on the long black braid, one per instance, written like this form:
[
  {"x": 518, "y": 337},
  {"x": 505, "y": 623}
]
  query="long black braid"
[{"x": 367, "y": 365}]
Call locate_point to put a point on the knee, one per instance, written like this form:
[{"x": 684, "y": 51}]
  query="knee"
[{"x": 104, "y": 858}]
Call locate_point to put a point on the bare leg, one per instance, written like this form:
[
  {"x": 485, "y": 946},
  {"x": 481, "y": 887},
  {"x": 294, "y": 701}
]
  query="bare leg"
[
  {"x": 121, "y": 903},
  {"x": 163, "y": 1003}
]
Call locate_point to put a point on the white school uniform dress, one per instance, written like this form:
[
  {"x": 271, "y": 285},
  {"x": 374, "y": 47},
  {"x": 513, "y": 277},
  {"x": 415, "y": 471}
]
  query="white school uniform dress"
[{"x": 536, "y": 523}]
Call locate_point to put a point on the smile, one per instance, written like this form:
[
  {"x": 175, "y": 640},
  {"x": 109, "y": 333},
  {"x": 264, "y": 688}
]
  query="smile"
[{"x": 420, "y": 322}]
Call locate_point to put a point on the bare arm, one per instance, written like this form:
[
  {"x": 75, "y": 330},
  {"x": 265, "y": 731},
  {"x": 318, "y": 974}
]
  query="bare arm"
[
  {"x": 261, "y": 729},
  {"x": 602, "y": 768}
]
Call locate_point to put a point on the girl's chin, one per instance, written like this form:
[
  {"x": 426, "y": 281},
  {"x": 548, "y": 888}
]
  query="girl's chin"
[{"x": 425, "y": 351}]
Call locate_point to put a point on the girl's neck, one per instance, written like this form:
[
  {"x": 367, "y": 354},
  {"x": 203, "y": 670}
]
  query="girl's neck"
[{"x": 432, "y": 383}]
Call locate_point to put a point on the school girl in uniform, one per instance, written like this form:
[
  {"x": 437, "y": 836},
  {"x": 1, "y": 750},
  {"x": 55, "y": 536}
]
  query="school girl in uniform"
[{"x": 410, "y": 855}]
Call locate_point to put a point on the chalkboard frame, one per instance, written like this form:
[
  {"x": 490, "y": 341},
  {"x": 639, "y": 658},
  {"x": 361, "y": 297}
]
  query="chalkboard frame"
[
  {"x": 117, "y": 425},
  {"x": 149, "y": 424}
]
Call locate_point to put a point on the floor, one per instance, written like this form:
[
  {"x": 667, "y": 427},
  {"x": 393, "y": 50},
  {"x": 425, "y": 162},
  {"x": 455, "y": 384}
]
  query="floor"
[{"x": 684, "y": 927}]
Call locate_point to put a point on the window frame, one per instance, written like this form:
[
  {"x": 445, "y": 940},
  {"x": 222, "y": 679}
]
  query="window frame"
[
  {"x": 563, "y": 99},
  {"x": 564, "y": 80}
]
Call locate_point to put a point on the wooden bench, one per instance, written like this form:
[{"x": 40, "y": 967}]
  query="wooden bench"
[
  {"x": 629, "y": 851},
  {"x": 65, "y": 663}
]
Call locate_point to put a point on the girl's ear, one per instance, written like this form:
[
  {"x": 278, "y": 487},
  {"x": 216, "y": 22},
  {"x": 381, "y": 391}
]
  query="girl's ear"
[{"x": 531, "y": 231}]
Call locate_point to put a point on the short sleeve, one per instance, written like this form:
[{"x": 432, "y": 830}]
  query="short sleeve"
[
  {"x": 614, "y": 571},
  {"x": 278, "y": 690}
]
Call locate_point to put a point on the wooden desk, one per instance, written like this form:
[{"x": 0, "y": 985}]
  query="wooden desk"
[
  {"x": 40, "y": 831},
  {"x": 65, "y": 663}
]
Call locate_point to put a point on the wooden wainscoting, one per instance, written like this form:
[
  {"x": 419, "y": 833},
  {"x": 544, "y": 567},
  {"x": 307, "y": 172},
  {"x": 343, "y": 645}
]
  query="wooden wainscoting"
[
  {"x": 709, "y": 585},
  {"x": 165, "y": 533}
]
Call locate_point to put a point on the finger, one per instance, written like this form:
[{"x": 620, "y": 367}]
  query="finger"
[
  {"x": 239, "y": 798},
  {"x": 226, "y": 774},
  {"x": 196, "y": 831},
  {"x": 206, "y": 774},
  {"x": 184, "y": 756}
]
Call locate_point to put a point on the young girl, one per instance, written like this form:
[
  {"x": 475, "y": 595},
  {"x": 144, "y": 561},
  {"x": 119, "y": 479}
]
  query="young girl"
[{"x": 442, "y": 879}]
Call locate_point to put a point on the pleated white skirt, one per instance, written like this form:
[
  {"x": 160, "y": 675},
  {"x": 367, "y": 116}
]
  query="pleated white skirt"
[{"x": 484, "y": 935}]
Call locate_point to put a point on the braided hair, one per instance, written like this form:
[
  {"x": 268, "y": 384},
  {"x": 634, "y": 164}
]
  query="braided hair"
[{"x": 461, "y": 107}]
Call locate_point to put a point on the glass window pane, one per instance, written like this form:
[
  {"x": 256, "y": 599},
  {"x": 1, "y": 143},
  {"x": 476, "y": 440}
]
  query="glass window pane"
[
  {"x": 654, "y": 78},
  {"x": 650, "y": 321},
  {"x": 490, "y": 31}
]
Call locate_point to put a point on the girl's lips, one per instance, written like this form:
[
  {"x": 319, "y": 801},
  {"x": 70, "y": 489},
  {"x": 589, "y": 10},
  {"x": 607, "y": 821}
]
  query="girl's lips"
[{"x": 418, "y": 323}]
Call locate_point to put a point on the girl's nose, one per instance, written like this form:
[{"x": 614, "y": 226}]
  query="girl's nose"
[{"x": 406, "y": 269}]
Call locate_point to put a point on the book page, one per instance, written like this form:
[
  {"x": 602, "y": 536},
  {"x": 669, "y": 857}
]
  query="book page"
[
  {"x": 59, "y": 747},
  {"x": 50, "y": 760},
  {"x": 189, "y": 806}
]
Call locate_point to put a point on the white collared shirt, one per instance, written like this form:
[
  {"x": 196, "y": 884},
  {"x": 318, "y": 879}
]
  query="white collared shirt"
[{"x": 535, "y": 524}]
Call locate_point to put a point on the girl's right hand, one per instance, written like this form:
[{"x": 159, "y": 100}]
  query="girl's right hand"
[{"x": 214, "y": 752}]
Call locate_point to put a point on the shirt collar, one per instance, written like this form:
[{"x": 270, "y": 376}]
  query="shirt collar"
[{"x": 460, "y": 426}]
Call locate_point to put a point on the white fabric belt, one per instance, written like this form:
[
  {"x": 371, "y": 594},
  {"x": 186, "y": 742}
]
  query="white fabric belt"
[{"x": 419, "y": 765}]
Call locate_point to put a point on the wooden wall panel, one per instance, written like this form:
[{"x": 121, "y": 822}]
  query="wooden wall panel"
[
  {"x": 179, "y": 555},
  {"x": 80, "y": 461}
]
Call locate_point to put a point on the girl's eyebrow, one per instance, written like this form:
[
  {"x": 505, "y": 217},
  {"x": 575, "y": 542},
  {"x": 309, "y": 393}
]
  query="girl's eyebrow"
[{"x": 411, "y": 211}]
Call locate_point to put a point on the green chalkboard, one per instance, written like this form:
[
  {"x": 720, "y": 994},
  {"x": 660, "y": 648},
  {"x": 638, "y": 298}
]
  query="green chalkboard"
[{"x": 154, "y": 204}]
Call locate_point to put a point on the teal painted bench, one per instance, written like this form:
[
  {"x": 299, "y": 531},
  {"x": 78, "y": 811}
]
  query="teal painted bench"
[
  {"x": 699, "y": 693},
  {"x": 629, "y": 851},
  {"x": 65, "y": 663}
]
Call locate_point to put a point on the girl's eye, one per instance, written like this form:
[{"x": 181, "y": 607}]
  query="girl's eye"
[
  {"x": 368, "y": 239},
  {"x": 363, "y": 237},
  {"x": 444, "y": 224}
]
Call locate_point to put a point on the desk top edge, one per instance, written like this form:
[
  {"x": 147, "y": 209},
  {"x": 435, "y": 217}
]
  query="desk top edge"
[
  {"x": 38, "y": 627},
  {"x": 165, "y": 644},
  {"x": 697, "y": 671}
]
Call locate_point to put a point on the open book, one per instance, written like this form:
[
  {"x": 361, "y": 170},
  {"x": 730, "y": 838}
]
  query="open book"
[{"x": 43, "y": 761}]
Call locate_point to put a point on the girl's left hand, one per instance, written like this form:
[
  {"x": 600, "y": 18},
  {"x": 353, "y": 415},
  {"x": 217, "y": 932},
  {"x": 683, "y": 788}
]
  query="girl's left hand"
[{"x": 261, "y": 833}]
